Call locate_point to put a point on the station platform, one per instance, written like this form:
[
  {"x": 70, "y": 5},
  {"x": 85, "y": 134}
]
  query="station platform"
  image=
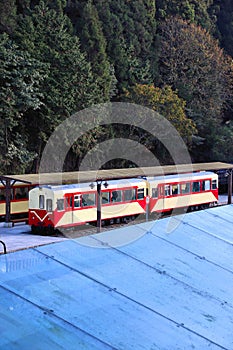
[{"x": 20, "y": 237}]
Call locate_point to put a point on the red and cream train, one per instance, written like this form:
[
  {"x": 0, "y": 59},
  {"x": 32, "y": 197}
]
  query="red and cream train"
[
  {"x": 19, "y": 194},
  {"x": 52, "y": 207}
]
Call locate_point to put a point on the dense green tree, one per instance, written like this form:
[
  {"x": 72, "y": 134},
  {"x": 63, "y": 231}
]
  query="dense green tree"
[
  {"x": 8, "y": 18},
  {"x": 20, "y": 78},
  {"x": 129, "y": 28},
  {"x": 93, "y": 42},
  {"x": 225, "y": 24},
  {"x": 69, "y": 84},
  {"x": 194, "y": 11}
]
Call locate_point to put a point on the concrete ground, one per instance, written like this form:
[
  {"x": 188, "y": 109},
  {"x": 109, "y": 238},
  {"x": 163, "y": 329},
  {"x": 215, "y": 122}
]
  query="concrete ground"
[{"x": 20, "y": 237}]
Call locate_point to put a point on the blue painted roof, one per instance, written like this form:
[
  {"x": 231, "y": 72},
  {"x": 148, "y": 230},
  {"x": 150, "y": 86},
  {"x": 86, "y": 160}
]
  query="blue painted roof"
[{"x": 161, "y": 285}]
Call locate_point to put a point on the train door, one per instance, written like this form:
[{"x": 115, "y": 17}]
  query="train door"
[
  {"x": 69, "y": 207},
  {"x": 161, "y": 197}
]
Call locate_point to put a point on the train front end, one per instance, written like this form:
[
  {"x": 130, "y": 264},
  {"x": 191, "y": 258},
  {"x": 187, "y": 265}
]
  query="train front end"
[{"x": 40, "y": 216}]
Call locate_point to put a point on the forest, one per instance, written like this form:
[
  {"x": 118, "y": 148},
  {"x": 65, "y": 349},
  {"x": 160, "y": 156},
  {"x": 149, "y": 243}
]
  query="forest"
[{"x": 58, "y": 57}]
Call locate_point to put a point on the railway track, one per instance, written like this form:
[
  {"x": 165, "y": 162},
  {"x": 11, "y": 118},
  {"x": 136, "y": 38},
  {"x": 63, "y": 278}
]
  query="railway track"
[{"x": 89, "y": 229}]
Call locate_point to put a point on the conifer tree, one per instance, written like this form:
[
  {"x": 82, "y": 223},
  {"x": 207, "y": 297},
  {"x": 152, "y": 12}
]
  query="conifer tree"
[
  {"x": 8, "y": 16},
  {"x": 129, "y": 29},
  {"x": 20, "y": 79},
  {"x": 93, "y": 42},
  {"x": 68, "y": 84},
  {"x": 225, "y": 24}
]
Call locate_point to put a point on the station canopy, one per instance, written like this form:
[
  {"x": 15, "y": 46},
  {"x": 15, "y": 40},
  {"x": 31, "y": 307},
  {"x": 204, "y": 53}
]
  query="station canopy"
[{"x": 111, "y": 174}]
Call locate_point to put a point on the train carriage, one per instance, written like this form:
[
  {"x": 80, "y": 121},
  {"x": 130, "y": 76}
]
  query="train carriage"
[
  {"x": 193, "y": 190},
  {"x": 71, "y": 205},
  {"x": 19, "y": 199}
]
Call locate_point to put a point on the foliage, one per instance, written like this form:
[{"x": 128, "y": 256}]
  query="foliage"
[
  {"x": 21, "y": 77},
  {"x": 192, "y": 62},
  {"x": 193, "y": 11},
  {"x": 93, "y": 42},
  {"x": 8, "y": 17},
  {"x": 225, "y": 24},
  {"x": 167, "y": 103},
  {"x": 69, "y": 84},
  {"x": 129, "y": 28},
  {"x": 58, "y": 57}
]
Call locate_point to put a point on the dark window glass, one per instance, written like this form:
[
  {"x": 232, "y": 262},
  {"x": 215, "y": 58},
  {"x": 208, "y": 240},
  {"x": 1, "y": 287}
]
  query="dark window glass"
[
  {"x": 214, "y": 184},
  {"x": 105, "y": 197},
  {"x": 175, "y": 190},
  {"x": 154, "y": 192},
  {"x": 140, "y": 193},
  {"x": 88, "y": 199},
  {"x": 185, "y": 188},
  {"x": 196, "y": 186},
  {"x": 3, "y": 194},
  {"x": 77, "y": 203},
  {"x": 68, "y": 202},
  {"x": 41, "y": 201},
  {"x": 60, "y": 204},
  {"x": 21, "y": 193},
  {"x": 129, "y": 195},
  {"x": 167, "y": 191},
  {"x": 116, "y": 196},
  {"x": 49, "y": 205}
]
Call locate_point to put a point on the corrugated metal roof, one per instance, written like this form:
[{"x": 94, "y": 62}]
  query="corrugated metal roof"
[
  {"x": 159, "y": 285},
  {"x": 86, "y": 176}
]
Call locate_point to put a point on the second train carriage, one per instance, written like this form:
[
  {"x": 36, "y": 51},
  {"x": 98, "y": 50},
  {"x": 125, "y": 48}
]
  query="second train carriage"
[
  {"x": 194, "y": 190},
  {"x": 71, "y": 205}
]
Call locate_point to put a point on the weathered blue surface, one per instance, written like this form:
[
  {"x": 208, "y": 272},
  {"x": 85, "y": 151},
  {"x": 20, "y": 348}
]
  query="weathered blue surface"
[{"x": 163, "y": 291}]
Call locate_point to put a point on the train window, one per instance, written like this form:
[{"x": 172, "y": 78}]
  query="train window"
[
  {"x": 49, "y": 205},
  {"x": 206, "y": 185},
  {"x": 214, "y": 184},
  {"x": 77, "y": 203},
  {"x": 155, "y": 192},
  {"x": 21, "y": 193},
  {"x": 3, "y": 194},
  {"x": 88, "y": 199},
  {"x": 167, "y": 191},
  {"x": 196, "y": 186},
  {"x": 116, "y": 196},
  {"x": 41, "y": 201},
  {"x": 185, "y": 188},
  {"x": 105, "y": 197},
  {"x": 175, "y": 190},
  {"x": 68, "y": 202},
  {"x": 60, "y": 204},
  {"x": 129, "y": 195},
  {"x": 140, "y": 193}
]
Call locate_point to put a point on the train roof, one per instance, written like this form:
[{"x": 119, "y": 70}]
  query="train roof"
[
  {"x": 183, "y": 177},
  {"x": 87, "y": 186}
]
